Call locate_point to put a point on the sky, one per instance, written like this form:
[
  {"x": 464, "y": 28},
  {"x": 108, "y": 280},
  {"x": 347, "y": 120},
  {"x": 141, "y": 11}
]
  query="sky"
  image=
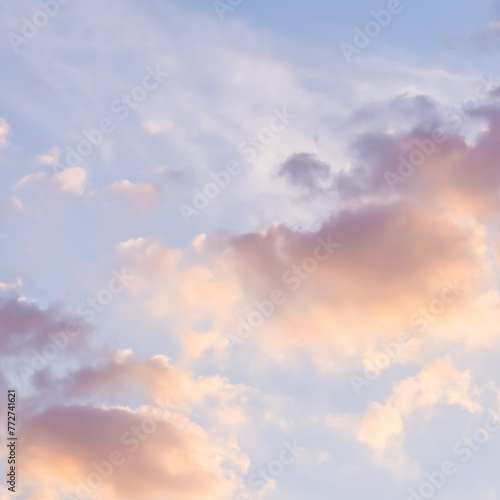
[{"x": 250, "y": 250}]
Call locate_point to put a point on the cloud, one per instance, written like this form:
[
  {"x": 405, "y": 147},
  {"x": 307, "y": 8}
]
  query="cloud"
[
  {"x": 383, "y": 427},
  {"x": 399, "y": 248},
  {"x": 72, "y": 424},
  {"x": 172, "y": 285},
  {"x": 304, "y": 169},
  {"x": 9, "y": 286},
  {"x": 4, "y": 132},
  {"x": 432, "y": 163},
  {"x": 162, "y": 383},
  {"x": 30, "y": 179},
  {"x": 25, "y": 326},
  {"x": 392, "y": 259},
  {"x": 155, "y": 454},
  {"x": 52, "y": 157},
  {"x": 72, "y": 180},
  {"x": 474, "y": 326}
]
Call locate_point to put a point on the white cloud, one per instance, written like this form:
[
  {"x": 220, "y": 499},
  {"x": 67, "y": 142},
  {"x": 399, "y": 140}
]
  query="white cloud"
[
  {"x": 51, "y": 157},
  {"x": 72, "y": 180},
  {"x": 383, "y": 427}
]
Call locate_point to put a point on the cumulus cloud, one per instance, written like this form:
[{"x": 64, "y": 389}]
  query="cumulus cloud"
[
  {"x": 74, "y": 426},
  {"x": 121, "y": 453},
  {"x": 383, "y": 427},
  {"x": 401, "y": 248},
  {"x": 407, "y": 219},
  {"x": 156, "y": 377},
  {"x": 72, "y": 180},
  {"x": 391, "y": 260},
  {"x": 401, "y": 244},
  {"x": 433, "y": 163},
  {"x": 24, "y": 326},
  {"x": 172, "y": 284}
]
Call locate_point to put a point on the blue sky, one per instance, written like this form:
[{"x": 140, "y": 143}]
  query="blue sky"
[{"x": 245, "y": 225}]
